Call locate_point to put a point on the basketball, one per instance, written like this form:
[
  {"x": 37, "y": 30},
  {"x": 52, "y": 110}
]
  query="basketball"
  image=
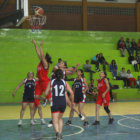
[{"x": 39, "y": 11}]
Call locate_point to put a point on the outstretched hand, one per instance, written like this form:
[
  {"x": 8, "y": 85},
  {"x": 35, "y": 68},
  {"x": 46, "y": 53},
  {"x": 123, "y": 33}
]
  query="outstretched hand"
[{"x": 78, "y": 64}]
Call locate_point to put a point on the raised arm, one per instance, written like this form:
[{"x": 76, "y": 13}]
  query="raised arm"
[
  {"x": 71, "y": 71},
  {"x": 45, "y": 63},
  {"x": 19, "y": 85},
  {"x": 37, "y": 49}
]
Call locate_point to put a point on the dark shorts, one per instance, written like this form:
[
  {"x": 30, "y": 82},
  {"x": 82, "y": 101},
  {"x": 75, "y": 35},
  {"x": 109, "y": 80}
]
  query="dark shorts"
[
  {"x": 58, "y": 109},
  {"x": 28, "y": 98},
  {"x": 79, "y": 98}
]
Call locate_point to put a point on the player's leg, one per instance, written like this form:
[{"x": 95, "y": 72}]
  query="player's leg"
[
  {"x": 107, "y": 110},
  {"x": 32, "y": 106},
  {"x": 22, "y": 113},
  {"x": 55, "y": 119},
  {"x": 38, "y": 93},
  {"x": 70, "y": 116},
  {"x": 60, "y": 121},
  {"x": 69, "y": 104},
  {"x": 81, "y": 108},
  {"x": 97, "y": 122}
]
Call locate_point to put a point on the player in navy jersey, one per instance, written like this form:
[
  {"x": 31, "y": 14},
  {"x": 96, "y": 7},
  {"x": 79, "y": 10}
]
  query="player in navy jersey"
[
  {"x": 28, "y": 96},
  {"x": 79, "y": 88},
  {"x": 58, "y": 88},
  {"x": 66, "y": 71}
]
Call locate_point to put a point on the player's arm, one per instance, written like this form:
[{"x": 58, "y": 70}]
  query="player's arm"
[
  {"x": 108, "y": 87},
  {"x": 86, "y": 86},
  {"x": 47, "y": 91},
  {"x": 37, "y": 49},
  {"x": 45, "y": 63},
  {"x": 71, "y": 93},
  {"x": 19, "y": 85},
  {"x": 36, "y": 79}
]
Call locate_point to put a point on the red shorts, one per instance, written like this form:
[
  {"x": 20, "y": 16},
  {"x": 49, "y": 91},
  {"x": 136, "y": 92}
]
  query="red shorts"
[
  {"x": 101, "y": 100},
  {"x": 39, "y": 89}
]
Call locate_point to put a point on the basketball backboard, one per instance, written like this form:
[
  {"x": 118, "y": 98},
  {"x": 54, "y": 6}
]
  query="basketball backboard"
[{"x": 22, "y": 5}]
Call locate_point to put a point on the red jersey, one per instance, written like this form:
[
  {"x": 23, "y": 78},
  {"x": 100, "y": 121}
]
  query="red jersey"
[
  {"x": 102, "y": 87},
  {"x": 42, "y": 73}
]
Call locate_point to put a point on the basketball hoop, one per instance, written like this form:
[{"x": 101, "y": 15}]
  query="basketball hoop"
[{"x": 37, "y": 22}]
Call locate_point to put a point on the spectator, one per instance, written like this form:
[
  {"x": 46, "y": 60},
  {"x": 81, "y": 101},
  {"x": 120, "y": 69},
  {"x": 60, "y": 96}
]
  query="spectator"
[
  {"x": 91, "y": 87},
  {"x": 95, "y": 61},
  {"x": 138, "y": 46},
  {"x": 132, "y": 61},
  {"x": 138, "y": 60},
  {"x": 138, "y": 83},
  {"x": 121, "y": 46},
  {"x": 102, "y": 61},
  {"x": 128, "y": 46},
  {"x": 132, "y": 80},
  {"x": 87, "y": 68},
  {"x": 124, "y": 77},
  {"x": 113, "y": 69},
  {"x": 133, "y": 46}
]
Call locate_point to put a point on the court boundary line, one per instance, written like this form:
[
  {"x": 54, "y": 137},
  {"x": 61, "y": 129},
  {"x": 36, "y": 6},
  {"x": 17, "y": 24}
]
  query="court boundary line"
[
  {"x": 126, "y": 117},
  {"x": 81, "y": 131}
]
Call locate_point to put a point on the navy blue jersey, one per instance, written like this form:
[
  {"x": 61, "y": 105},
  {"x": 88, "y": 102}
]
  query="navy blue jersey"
[
  {"x": 79, "y": 86},
  {"x": 58, "y": 92},
  {"x": 29, "y": 86}
]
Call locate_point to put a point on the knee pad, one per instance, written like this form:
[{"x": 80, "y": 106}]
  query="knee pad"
[{"x": 106, "y": 109}]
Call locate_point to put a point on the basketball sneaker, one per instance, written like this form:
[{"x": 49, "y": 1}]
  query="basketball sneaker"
[
  {"x": 32, "y": 122},
  {"x": 44, "y": 103},
  {"x": 43, "y": 122},
  {"x": 68, "y": 122},
  {"x": 111, "y": 120},
  {"x": 96, "y": 123},
  {"x": 81, "y": 117},
  {"x": 20, "y": 123},
  {"x": 50, "y": 124},
  {"x": 85, "y": 123}
]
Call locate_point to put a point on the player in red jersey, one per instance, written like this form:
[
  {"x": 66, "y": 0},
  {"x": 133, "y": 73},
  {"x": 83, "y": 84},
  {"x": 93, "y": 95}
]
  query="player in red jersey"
[
  {"x": 42, "y": 74},
  {"x": 103, "y": 98}
]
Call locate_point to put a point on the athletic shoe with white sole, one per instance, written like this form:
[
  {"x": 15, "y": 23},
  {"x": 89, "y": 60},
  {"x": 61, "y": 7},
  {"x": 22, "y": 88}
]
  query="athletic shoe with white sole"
[
  {"x": 81, "y": 117},
  {"x": 43, "y": 122},
  {"x": 44, "y": 103},
  {"x": 20, "y": 123},
  {"x": 32, "y": 122},
  {"x": 50, "y": 124},
  {"x": 68, "y": 122}
]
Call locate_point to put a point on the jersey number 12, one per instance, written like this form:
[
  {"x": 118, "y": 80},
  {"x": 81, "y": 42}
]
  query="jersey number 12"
[{"x": 61, "y": 87}]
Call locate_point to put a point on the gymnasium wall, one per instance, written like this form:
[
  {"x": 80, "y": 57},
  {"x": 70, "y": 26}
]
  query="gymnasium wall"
[
  {"x": 117, "y": 1},
  {"x": 83, "y": 15},
  {"x": 18, "y": 56}
]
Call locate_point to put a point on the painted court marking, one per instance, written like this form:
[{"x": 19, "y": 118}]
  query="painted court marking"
[
  {"x": 76, "y": 133},
  {"x": 126, "y": 117}
]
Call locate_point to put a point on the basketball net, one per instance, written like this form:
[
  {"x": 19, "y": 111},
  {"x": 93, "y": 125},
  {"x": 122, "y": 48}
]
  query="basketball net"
[{"x": 37, "y": 22}]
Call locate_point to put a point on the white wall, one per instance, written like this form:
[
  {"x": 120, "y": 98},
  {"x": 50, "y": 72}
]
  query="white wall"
[{"x": 119, "y": 1}]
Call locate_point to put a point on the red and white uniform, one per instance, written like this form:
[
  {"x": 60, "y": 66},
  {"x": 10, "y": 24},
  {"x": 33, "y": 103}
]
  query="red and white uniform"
[
  {"x": 42, "y": 84},
  {"x": 101, "y": 89}
]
